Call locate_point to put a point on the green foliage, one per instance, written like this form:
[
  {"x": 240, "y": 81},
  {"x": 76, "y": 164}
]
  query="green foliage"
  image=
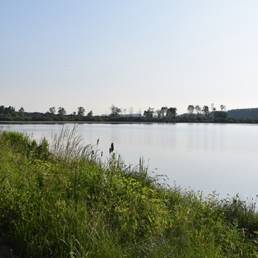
[
  {"x": 23, "y": 144},
  {"x": 56, "y": 206},
  {"x": 219, "y": 116},
  {"x": 81, "y": 111},
  {"x": 242, "y": 215},
  {"x": 61, "y": 111}
]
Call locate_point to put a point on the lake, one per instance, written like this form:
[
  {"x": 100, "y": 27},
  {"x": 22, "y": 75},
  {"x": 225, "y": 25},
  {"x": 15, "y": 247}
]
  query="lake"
[{"x": 201, "y": 157}]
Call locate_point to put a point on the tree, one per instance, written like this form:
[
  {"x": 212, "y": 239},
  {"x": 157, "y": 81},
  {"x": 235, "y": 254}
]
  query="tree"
[
  {"x": 158, "y": 112},
  {"x": 205, "y": 110},
  {"x": 52, "y": 110},
  {"x": 190, "y": 109},
  {"x": 198, "y": 109},
  {"x": 2, "y": 109},
  {"x": 220, "y": 116},
  {"x": 61, "y": 111},
  {"x": 10, "y": 110},
  {"x": 222, "y": 107},
  {"x": 90, "y": 114},
  {"x": 81, "y": 111},
  {"x": 115, "y": 111},
  {"x": 171, "y": 113},
  {"x": 148, "y": 113},
  {"x": 163, "y": 112},
  {"x": 21, "y": 110}
]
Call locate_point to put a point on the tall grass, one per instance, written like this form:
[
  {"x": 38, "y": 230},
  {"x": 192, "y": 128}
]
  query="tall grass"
[
  {"x": 64, "y": 203},
  {"x": 68, "y": 145}
]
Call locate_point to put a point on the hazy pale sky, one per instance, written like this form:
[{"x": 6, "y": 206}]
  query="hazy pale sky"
[{"x": 131, "y": 53}]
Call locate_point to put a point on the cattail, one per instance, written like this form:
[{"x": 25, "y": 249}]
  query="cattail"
[{"x": 111, "y": 149}]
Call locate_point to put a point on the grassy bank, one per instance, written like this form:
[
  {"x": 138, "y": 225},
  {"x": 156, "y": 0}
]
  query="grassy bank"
[{"x": 67, "y": 204}]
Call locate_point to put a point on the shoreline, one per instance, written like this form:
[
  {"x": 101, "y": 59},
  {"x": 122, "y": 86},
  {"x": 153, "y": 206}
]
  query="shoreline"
[{"x": 123, "y": 122}]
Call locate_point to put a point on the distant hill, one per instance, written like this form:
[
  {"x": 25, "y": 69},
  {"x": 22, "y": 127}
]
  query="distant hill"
[{"x": 244, "y": 113}]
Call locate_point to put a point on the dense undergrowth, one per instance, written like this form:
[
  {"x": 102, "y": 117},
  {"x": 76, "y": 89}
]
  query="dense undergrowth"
[{"x": 68, "y": 204}]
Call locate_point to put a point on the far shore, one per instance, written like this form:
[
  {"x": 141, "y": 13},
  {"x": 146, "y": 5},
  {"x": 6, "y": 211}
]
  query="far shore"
[{"x": 125, "y": 122}]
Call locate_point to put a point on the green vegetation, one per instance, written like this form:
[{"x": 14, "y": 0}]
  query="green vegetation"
[{"x": 68, "y": 204}]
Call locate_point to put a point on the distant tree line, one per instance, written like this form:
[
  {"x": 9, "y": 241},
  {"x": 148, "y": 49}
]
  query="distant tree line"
[
  {"x": 53, "y": 114},
  {"x": 194, "y": 113}
]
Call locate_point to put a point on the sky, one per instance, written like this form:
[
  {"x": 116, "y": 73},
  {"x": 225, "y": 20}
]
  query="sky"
[{"x": 130, "y": 53}]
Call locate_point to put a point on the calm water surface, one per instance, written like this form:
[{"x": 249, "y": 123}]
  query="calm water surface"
[{"x": 205, "y": 157}]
